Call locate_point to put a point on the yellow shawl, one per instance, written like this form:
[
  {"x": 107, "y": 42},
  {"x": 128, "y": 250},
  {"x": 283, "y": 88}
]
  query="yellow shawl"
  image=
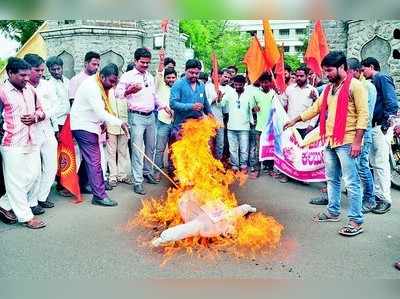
[{"x": 104, "y": 95}]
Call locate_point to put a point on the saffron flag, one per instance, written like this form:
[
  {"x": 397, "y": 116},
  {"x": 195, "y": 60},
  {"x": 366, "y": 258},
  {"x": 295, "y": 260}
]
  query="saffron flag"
[
  {"x": 271, "y": 50},
  {"x": 67, "y": 169},
  {"x": 214, "y": 75},
  {"x": 317, "y": 49},
  {"x": 280, "y": 73},
  {"x": 254, "y": 60},
  {"x": 165, "y": 25},
  {"x": 35, "y": 45}
]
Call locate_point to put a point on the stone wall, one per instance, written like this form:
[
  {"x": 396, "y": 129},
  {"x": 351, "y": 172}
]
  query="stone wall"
[{"x": 116, "y": 41}]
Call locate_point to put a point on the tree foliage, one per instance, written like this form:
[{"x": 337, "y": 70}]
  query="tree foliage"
[
  {"x": 2, "y": 63},
  {"x": 293, "y": 60},
  {"x": 19, "y": 30},
  {"x": 206, "y": 36}
]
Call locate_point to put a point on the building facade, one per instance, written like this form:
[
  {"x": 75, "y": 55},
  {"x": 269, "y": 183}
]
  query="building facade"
[
  {"x": 288, "y": 33},
  {"x": 115, "y": 41}
]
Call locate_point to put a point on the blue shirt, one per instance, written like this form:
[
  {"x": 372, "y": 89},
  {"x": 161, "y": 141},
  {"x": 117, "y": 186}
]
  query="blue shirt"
[
  {"x": 386, "y": 100},
  {"x": 371, "y": 104},
  {"x": 182, "y": 99}
]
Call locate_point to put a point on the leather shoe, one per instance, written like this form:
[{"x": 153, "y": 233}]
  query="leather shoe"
[
  {"x": 37, "y": 210},
  {"x": 138, "y": 188},
  {"x": 150, "y": 179},
  {"x": 106, "y": 202},
  {"x": 381, "y": 207},
  {"x": 7, "y": 217},
  {"x": 46, "y": 204}
]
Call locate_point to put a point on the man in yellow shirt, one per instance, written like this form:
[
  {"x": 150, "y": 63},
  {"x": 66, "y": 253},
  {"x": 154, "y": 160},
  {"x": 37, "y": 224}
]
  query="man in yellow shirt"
[{"x": 343, "y": 110}]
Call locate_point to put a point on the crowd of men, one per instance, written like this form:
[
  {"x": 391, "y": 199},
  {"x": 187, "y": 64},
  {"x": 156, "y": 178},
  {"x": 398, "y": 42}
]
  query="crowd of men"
[{"x": 123, "y": 125}]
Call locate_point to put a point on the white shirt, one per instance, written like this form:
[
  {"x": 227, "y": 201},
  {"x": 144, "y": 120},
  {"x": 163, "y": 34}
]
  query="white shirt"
[
  {"x": 62, "y": 105},
  {"x": 217, "y": 108},
  {"x": 239, "y": 109},
  {"x": 163, "y": 94},
  {"x": 298, "y": 100},
  {"x": 88, "y": 112},
  {"x": 47, "y": 97}
]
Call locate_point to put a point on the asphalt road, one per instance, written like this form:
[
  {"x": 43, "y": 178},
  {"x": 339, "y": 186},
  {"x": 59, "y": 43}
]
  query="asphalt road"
[{"x": 86, "y": 241}]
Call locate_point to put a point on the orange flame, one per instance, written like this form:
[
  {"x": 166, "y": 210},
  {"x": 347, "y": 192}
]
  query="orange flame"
[{"x": 196, "y": 169}]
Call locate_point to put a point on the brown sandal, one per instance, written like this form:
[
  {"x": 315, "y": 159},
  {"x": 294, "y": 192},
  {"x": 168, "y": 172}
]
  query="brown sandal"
[{"x": 34, "y": 223}]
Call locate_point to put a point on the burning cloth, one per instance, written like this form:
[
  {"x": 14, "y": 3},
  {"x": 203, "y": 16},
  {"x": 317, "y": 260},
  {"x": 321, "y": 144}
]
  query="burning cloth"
[{"x": 209, "y": 220}]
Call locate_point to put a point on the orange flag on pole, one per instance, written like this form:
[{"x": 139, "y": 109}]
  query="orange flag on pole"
[
  {"x": 271, "y": 50},
  {"x": 214, "y": 75},
  {"x": 67, "y": 162},
  {"x": 280, "y": 73},
  {"x": 254, "y": 60},
  {"x": 317, "y": 49}
]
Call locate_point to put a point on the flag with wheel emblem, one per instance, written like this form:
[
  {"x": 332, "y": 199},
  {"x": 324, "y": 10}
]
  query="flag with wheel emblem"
[{"x": 67, "y": 169}]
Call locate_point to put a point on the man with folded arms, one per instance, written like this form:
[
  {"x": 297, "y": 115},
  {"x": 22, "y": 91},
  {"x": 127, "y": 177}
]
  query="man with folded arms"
[{"x": 19, "y": 145}]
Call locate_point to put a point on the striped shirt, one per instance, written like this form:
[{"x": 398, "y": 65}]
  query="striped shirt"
[{"x": 15, "y": 104}]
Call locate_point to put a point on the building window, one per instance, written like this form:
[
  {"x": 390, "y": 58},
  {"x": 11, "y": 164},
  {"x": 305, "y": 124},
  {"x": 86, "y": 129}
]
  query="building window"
[
  {"x": 252, "y": 32},
  {"x": 284, "y": 32},
  {"x": 286, "y": 49},
  {"x": 298, "y": 48},
  {"x": 300, "y": 31}
]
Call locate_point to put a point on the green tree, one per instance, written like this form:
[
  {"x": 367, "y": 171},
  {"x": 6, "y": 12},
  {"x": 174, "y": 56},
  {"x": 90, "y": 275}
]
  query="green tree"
[
  {"x": 293, "y": 61},
  {"x": 2, "y": 63},
  {"x": 206, "y": 36},
  {"x": 20, "y": 30}
]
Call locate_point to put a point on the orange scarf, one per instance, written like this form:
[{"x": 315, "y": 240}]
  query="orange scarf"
[
  {"x": 104, "y": 96},
  {"x": 339, "y": 128}
]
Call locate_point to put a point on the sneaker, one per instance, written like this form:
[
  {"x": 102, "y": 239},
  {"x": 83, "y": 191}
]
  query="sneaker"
[
  {"x": 138, "y": 188},
  {"x": 46, "y": 204},
  {"x": 37, "y": 210},
  {"x": 381, "y": 207},
  {"x": 367, "y": 208},
  {"x": 320, "y": 201}
]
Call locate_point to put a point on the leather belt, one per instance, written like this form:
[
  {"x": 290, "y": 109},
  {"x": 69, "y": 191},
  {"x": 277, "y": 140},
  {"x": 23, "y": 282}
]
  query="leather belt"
[{"x": 140, "y": 112}]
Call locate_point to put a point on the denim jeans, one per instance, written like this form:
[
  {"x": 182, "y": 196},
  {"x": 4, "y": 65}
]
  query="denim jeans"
[
  {"x": 366, "y": 177},
  {"x": 338, "y": 162},
  {"x": 142, "y": 130},
  {"x": 239, "y": 148},
  {"x": 219, "y": 144},
  {"x": 163, "y": 133},
  {"x": 254, "y": 141}
]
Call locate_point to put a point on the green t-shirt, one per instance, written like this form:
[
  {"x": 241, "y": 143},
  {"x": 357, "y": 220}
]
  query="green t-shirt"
[{"x": 264, "y": 101}]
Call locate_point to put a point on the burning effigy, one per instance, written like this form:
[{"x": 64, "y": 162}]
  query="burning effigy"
[{"x": 202, "y": 214}]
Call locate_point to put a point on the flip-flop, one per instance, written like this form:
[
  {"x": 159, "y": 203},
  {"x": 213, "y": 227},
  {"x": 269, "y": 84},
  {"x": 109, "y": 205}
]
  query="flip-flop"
[
  {"x": 326, "y": 217},
  {"x": 37, "y": 224}
]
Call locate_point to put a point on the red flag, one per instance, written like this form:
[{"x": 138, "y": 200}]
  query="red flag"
[
  {"x": 254, "y": 60},
  {"x": 214, "y": 75},
  {"x": 280, "y": 73},
  {"x": 67, "y": 162},
  {"x": 317, "y": 49},
  {"x": 165, "y": 25}
]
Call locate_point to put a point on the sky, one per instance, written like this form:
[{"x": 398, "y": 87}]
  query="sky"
[{"x": 7, "y": 47}]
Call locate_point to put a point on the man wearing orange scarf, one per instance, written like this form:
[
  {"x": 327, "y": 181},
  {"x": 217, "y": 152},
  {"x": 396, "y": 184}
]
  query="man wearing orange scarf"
[{"x": 343, "y": 111}]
